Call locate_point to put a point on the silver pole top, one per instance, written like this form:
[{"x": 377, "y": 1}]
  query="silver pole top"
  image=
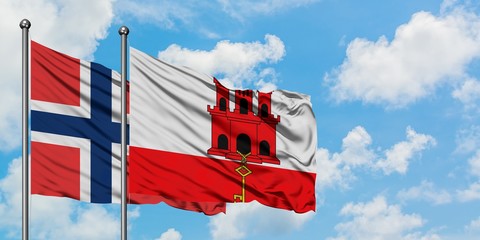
[
  {"x": 26, "y": 24},
  {"x": 123, "y": 30}
]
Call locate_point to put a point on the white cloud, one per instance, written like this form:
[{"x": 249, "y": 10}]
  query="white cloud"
[
  {"x": 472, "y": 193},
  {"x": 471, "y": 231},
  {"x": 91, "y": 222},
  {"x": 420, "y": 236},
  {"x": 411, "y": 66},
  {"x": 11, "y": 196},
  {"x": 242, "y": 68},
  {"x": 242, "y": 9},
  {"x": 448, "y": 5},
  {"x": 398, "y": 157},
  {"x": 357, "y": 152},
  {"x": 378, "y": 220},
  {"x": 253, "y": 218},
  {"x": 134, "y": 213},
  {"x": 52, "y": 217},
  {"x": 425, "y": 191},
  {"x": 468, "y": 140},
  {"x": 170, "y": 234},
  {"x": 474, "y": 163},
  {"x": 473, "y": 226},
  {"x": 58, "y": 24},
  {"x": 198, "y": 15},
  {"x": 468, "y": 93},
  {"x": 267, "y": 80},
  {"x": 337, "y": 168},
  {"x": 164, "y": 13},
  {"x": 331, "y": 171}
]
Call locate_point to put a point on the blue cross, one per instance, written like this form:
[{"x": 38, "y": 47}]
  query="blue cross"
[{"x": 100, "y": 129}]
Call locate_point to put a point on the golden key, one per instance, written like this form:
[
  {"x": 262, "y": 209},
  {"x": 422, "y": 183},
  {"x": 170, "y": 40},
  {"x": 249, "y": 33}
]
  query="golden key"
[{"x": 244, "y": 172}]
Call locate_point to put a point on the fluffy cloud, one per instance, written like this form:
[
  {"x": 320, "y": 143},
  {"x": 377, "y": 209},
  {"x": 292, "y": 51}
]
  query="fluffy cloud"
[
  {"x": 474, "y": 163},
  {"x": 355, "y": 148},
  {"x": 51, "y": 217},
  {"x": 170, "y": 234},
  {"x": 337, "y": 168},
  {"x": 411, "y": 66},
  {"x": 243, "y": 68},
  {"x": 468, "y": 94},
  {"x": 398, "y": 157},
  {"x": 473, "y": 226},
  {"x": 378, "y": 220},
  {"x": 253, "y": 218},
  {"x": 425, "y": 191},
  {"x": 91, "y": 222},
  {"x": 468, "y": 140},
  {"x": 470, "y": 194},
  {"x": 58, "y": 24}
]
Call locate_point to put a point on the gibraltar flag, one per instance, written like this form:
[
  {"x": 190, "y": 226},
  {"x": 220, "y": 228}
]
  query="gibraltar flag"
[{"x": 194, "y": 140}]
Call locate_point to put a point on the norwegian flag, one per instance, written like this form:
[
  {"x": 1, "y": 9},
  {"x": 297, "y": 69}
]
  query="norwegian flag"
[{"x": 75, "y": 124}]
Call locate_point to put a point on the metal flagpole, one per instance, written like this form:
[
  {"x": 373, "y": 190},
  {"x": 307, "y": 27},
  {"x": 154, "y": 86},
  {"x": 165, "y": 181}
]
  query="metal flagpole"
[
  {"x": 25, "y": 26},
  {"x": 123, "y": 31}
]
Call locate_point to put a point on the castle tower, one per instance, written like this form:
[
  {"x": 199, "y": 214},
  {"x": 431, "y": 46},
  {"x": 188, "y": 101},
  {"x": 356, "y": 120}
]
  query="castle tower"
[
  {"x": 221, "y": 131},
  {"x": 242, "y": 130}
]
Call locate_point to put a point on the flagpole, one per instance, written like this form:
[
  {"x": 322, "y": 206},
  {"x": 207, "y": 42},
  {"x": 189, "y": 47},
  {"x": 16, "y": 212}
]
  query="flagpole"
[
  {"x": 25, "y": 26},
  {"x": 123, "y": 31}
]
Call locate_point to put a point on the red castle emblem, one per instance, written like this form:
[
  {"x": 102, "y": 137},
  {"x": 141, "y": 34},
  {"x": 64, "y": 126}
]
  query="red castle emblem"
[{"x": 253, "y": 135}]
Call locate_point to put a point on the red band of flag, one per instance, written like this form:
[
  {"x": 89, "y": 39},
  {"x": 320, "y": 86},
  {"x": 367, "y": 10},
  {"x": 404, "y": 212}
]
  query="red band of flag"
[{"x": 200, "y": 179}]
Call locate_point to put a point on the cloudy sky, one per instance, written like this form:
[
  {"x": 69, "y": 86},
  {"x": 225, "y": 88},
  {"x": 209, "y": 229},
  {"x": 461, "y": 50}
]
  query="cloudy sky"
[{"x": 395, "y": 88}]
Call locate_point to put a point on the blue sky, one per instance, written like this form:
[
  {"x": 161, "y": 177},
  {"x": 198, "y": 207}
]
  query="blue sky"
[{"x": 394, "y": 86}]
